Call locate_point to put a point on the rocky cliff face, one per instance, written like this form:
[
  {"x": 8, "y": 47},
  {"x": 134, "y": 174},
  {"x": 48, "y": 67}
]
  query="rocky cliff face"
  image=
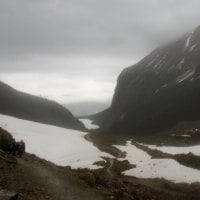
[
  {"x": 159, "y": 91},
  {"x": 29, "y": 107}
]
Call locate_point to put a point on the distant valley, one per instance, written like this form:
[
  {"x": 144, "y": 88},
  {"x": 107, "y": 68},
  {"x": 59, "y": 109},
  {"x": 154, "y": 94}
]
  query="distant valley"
[{"x": 86, "y": 107}]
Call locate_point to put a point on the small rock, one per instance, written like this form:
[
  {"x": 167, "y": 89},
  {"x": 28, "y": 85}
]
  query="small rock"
[{"x": 8, "y": 195}]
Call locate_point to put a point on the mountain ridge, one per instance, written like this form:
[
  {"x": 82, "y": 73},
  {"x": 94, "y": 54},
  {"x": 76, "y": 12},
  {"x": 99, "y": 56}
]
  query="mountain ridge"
[
  {"x": 158, "y": 92},
  {"x": 33, "y": 108}
]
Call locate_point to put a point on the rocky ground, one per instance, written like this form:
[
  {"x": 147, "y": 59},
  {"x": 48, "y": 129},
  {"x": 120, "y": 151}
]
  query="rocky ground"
[{"x": 33, "y": 178}]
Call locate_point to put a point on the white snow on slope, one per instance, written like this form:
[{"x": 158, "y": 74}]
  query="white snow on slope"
[
  {"x": 193, "y": 47},
  {"x": 88, "y": 124},
  {"x": 185, "y": 76},
  {"x": 59, "y": 145},
  {"x": 163, "y": 86},
  {"x": 181, "y": 63},
  {"x": 176, "y": 150},
  {"x": 157, "y": 168},
  {"x": 187, "y": 44},
  {"x": 151, "y": 62},
  {"x": 184, "y": 135},
  {"x": 158, "y": 64}
]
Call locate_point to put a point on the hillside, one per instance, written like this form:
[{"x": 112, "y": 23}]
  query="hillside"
[
  {"x": 158, "y": 92},
  {"x": 29, "y": 107}
]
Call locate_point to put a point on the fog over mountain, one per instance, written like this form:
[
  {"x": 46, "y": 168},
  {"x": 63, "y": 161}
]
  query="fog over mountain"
[
  {"x": 73, "y": 50},
  {"x": 87, "y": 107}
]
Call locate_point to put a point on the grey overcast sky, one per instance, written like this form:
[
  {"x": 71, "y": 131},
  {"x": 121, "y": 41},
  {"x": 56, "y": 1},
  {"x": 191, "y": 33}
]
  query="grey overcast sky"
[{"x": 73, "y": 50}]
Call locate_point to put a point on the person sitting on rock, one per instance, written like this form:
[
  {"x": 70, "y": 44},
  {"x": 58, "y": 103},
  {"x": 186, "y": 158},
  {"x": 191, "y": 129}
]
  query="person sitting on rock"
[
  {"x": 13, "y": 146},
  {"x": 21, "y": 148}
]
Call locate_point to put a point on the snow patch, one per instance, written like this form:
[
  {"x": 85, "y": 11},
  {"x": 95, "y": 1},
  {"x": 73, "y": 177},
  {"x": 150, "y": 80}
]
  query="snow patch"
[
  {"x": 157, "y": 168},
  {"x": 181, "y": 63},
  {"x": 163, "y": 86},
  {"x": 185, "y": 76},
  {"x": 62, "y": 146},
  {"x": 184, "y": 135},
  {"x": 88, "y": 124},
  {"x": 176, "y": 150},
  {"x": 195, "y": 130},
  {"x": 159, "y": 63},
  {"x": 193, "y": 47},
  {"x": 187, "y": 44},
  {"x": 154, "y": 59}
]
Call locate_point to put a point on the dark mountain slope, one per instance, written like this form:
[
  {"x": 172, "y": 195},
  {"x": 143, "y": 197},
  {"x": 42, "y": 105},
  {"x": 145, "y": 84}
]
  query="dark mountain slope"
[
  {"x": 29, "y": 107},
  {"x": 159, "y": 91}
]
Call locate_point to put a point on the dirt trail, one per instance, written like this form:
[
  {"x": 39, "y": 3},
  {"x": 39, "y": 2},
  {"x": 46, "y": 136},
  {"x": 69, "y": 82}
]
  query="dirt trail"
[
  {"x": 34, "y": 178},
  {"x": 111, "y": 162},
  {"x": 58, "y": 187}
]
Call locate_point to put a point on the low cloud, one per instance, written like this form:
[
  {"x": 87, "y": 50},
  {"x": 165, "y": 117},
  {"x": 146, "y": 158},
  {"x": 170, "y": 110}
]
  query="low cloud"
[{"x": 83, "y": 42}]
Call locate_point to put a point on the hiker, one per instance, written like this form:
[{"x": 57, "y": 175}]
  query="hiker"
[
  {"x": 13, "y": 146},
  {"x": 21, "y": 148}
]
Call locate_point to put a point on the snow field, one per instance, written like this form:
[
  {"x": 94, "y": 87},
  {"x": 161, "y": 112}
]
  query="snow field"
[{"x": 59, "y": 145}]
